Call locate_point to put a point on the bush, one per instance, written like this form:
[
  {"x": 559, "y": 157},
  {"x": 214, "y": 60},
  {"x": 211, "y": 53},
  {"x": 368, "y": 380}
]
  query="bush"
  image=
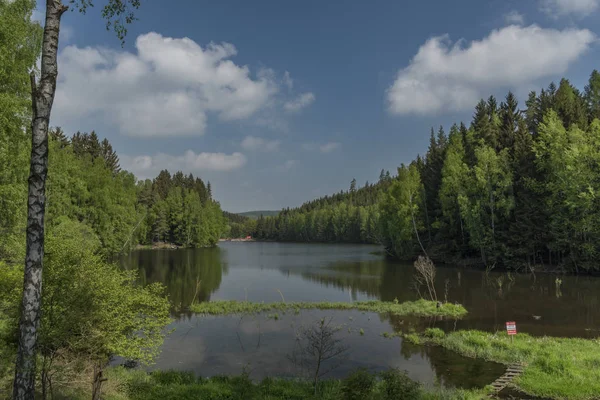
[
  {"x": 358, "y": 385},
  {"x": 91, "y": 309},
  {"x": 174, "y": 377},
  {"x": 434, "y": 333},
  {"x": 398, "y": 386},
  {"x": 242, "y": 386}
]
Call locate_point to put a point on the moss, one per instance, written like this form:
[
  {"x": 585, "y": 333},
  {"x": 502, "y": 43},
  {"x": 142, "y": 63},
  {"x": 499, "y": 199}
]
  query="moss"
[{"x": 422, "y": 308}]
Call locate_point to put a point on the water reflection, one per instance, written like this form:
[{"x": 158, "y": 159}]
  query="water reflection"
[
  {"x": 188, "y": 274},
  {"x": 539, "y": 304},
  {"x": 302, "y": 272},
  {"x": 261, "y": 345}
]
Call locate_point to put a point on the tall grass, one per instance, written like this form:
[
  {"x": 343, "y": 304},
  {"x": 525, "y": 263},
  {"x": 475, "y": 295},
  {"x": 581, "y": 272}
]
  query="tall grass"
[
  {"x": 177, "y": 385},
  {"x": 422, "y": 308},
  {"x": 558, "y": 368}
]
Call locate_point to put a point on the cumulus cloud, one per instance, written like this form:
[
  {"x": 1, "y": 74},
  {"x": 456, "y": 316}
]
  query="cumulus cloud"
[
  {"x": 300, "y": 102},
  {"x": 329, "y": 147},
  {"x": 39, "y": 16},
  {"x": 254, "y": 143},
  {"x": 558, "y": 8},
  {"x": 66, "y": 33},
  {"x": 323, "y": 147},
  {"x": 444, "y": 76},
  {"x": 167, "y": 87},
  {"x": 147, "y": 166},
  {"x": 288, "y": 81},
  {"x": 289, "y": 164},
  {"x": 514, "y": 17}
]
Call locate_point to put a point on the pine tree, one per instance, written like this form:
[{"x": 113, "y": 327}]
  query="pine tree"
[
  {"x": 592, "y": 96},
  {"x": 93, "y": 145},
  {"x": 162, "y": 184},
  {"x": 570, "y": 105},
  {"x": 59, "y": 136},
  {"x": 110, "y": 157},
  {"x": 533, "y": 113},
  {"x": 468, "y": 142},
  {"x": 509, "y": 116},
  {"x": 481, "y": 124}
]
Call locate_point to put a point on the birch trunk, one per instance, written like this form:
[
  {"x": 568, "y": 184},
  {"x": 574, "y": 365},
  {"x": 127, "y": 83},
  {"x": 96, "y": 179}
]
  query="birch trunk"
[{"x": 42, "y": 97}]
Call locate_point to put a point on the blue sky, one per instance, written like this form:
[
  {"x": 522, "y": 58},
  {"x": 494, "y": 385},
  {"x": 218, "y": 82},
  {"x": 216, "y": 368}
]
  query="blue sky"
[{"x": 279, "y": 102}]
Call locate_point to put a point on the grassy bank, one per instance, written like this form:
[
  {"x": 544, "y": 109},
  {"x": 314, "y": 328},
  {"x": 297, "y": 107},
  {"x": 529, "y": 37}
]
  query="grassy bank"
[
  {"x": 125, "y": 384},
  {"x": 420, "y": 308},
  {"x": 558, "y": 368}
]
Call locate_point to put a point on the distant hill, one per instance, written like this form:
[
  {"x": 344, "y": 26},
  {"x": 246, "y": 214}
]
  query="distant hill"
[{"x": 257, "y": 214}]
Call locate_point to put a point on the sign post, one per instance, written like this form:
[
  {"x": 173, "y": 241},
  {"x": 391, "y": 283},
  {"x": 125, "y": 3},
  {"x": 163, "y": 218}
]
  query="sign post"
[{"x": 511, "y": 329}]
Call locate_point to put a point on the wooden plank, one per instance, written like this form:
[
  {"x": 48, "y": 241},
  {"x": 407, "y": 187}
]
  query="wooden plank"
[{"x": 512, "y": 372}]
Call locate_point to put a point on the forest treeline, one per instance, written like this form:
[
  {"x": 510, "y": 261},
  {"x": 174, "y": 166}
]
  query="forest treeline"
[
  {"x": 518, "y": 187},
  {"x": 87, "y": 185}
]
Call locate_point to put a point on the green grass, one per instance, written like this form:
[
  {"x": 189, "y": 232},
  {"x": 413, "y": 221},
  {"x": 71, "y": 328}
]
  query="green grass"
[
  {"x": 125, "y": 384},
  {"x": 420, "y": 308},
  {"x": 558, "y": 368}
]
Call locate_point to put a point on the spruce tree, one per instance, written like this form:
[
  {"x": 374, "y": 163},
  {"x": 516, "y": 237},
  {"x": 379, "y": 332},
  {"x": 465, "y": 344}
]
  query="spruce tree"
[
  {"x": 110, "y": 156},
  {"x": 592, "y": 96}
]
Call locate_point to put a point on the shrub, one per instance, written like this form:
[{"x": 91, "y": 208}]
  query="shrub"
[
  {"x": 358, "y": 385},
  {"x": 398, "y": 386},
  {"x": 174, "y": 377},
  {"x": 91, "y": 309},
  {"x": 242, "y": 386},
  {"x": 434, "y": 333}
]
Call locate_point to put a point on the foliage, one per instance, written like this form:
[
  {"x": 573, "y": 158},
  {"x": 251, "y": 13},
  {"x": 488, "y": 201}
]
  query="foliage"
[
  {"x": 90, "y": 308},
  {"x": 257, "y": 214},
  {"x": 349, "y": 217},
  {"x": 476, "y": 193},
  {"x": 238, "y": 225},
  {"x": 179, "y": 209},
  {"x": 397, "y": 385},
  {"x": 358, "y": 385},
  {"x": 126, "y": 384},
  {"x": 19, "y": 45},
  {"x": 399, "y": 221},
  {"x": 85, "y": 183},
  {"x": 421, "y": 308}
]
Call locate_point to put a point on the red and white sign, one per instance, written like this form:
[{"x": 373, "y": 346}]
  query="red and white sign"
[{"x": 511, "y": 328}]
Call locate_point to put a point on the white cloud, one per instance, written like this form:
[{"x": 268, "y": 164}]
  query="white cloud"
[
  {"x": 514, "y": 17},
  {"x": 39, "y": 16},
  {"x": 66, "y": 33},
  {"x": 323, "y": 147},
  {"x": 147, "y": 166},
  {"x": 580, "y": 8},
  {"x": 254, "y": 143},
  {"x": 444, "y": 76},
  {"x": 289, "y": 164},
  {"x": 329, "y": 147},
  {"x": 300, "y": 102},
  {"x": 288, "y": 81},
  {"x": 167, "y": 88}
]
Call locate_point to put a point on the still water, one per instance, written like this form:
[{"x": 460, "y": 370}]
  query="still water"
[{"x": 263, "y": 345}]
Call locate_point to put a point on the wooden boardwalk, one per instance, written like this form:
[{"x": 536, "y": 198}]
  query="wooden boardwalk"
[{"x": 511, "y": 373}]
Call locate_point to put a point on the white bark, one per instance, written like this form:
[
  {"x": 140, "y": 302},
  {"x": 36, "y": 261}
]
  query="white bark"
[{"x": 42, "y": 96}]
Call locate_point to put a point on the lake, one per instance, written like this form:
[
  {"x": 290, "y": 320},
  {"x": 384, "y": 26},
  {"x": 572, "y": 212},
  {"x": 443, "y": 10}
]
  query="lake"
[{"x": 264, "y": 345}]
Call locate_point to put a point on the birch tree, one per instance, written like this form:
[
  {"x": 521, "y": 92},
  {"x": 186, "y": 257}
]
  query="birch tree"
[{"x": 118, "y": 13}]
